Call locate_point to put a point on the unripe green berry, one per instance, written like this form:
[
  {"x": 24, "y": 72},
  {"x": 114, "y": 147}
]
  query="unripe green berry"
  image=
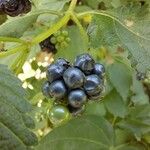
[
  {"x": 57, "y": 33},
  {"x": 67, "y": 39},
  {"x": 65, "y": 33},
  {"x": 63, "y": 44},
  {"x": 57, "y": 46},
  {"x": 53, "y": 40},
  {"x": 58, "y": 115},
  {"x": 60, "y": 38}
]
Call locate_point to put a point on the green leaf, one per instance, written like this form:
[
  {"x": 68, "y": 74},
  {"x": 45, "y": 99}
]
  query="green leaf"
[
  {"x": 131, "y": 34},
  {"x": 89, "y": 132},
  {"x": 137, "y": 44},
  {"x": 95, "y": 108},
  {"x": 120, "y": 76},
  {"x": 85, "y": 133},
  {"x": 139, "y": 96},
  {"x": 14, "y": 121},
  {"x": 128, "y": 147},
  {"x": 115, "y": 104},
  {"x": 51, "y": 5},
  {"x": 122, "y": 136},
  {"x": 93, "y": 4},
  {"x": 15, "y": 27},
  {"x": 101, "y": 32},
  {"x": 137, "y": 121}
]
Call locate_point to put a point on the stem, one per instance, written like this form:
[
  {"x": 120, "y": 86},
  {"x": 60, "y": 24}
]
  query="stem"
[
  {"x": 51, "y": 12},
  {"x": 56, "y": 26},
  {"x": 82, "y": 31},
  {"x": 22, "y": 58},
  {"x": 72, "y": 5},
  {"x": 16, "y": 62},
  {"x": 51, "y": 30},
  {"x": 13, "y": 51},
  {"x": 9, "y": 39},
  {"x": 114, "y": 121},
  {"x": 81, "y": 15}
]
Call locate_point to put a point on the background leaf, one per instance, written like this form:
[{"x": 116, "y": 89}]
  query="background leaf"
[
  {"x": 109, "y": 30},
  {"x": 86, "y": 132},
  {"x": 95, "y": 108},
  {"x": 137, "y": 121},
  {"x": 119, "y": 75},
  {"x": 15, "y": 27},
  {"x": 115, "y": 104},
  {"x": 13, "y": 119},
  {"x": 139, "y": 97},
  {"x": 99, "y": 136}
]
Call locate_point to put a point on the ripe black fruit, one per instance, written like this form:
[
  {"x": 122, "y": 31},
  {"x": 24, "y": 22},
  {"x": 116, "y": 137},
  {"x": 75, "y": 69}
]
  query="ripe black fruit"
[
  {"x": 73, "y": 85},
  {"x": 77, "y": 98},
  {"x": 99, "y": 70},
  {"x": 57, "y": 90},
  {"x": 93, "y": 85},
  {"x": 73, "y": 77},
  {"x": 54, "y": 72},
  {"x": 63, "y": 62},
  {"x": 85, "y": 62},
  {"x": 15, "y": 7}
]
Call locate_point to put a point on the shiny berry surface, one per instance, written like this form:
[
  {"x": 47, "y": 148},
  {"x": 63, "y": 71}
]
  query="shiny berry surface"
[
  {"x": 85, "y": 62},
  {"x": 73, "y": 85},
  {"x": 57, "y": 90},
  {"x": 58, "y": 115},
  {"x": 62, "y": 62},
  {"x": 77, "y": 98},
  {"x": 54, "y": 72},
  {"x": 93, "y": 85},
  {"x": 99, "y": 69},
  {"x": 73, "y": 77}
]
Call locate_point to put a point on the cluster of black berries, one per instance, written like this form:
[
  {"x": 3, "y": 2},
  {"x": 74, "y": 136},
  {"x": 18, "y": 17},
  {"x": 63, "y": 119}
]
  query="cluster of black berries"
[
  {"x": 74, "y": 84},
  {"x": 59, "y": 40},
  {"x": 14, "y": 7}
]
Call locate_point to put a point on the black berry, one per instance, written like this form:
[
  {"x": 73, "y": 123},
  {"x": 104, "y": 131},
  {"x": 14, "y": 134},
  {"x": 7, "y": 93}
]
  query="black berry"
[
  {"x": 85, "y": 62},
  {"x": 57, "y": 90},
  {"x": 99, "y": 70},
  {"x": 63, "y": 62},
  {"x": 77, "y": 98},
  {"x": 73, "y": 77},
  {"x": 93, "y": 85},
  {"x": 15, "y": 7},
  {"x": 73, "y": 85},
  {"x": 54, "y": 72}
]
